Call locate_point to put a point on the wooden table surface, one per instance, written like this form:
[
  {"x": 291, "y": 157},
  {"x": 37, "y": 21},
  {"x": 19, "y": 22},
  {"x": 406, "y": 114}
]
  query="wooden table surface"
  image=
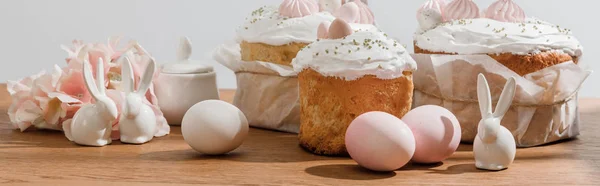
[{"x": 274, "y": 158}]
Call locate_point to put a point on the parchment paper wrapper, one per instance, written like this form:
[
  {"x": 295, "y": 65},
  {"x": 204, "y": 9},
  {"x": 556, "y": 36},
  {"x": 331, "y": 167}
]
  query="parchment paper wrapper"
[
  {"x": 545, "y": 108},
  {"x": 267, "y": 93}
]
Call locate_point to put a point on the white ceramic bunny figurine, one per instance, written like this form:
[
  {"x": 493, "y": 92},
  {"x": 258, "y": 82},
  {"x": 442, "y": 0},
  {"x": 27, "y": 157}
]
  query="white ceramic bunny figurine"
[
  {"x": 92, "y": 124},
  {"x": 494, "y": 146},
  {"x": 138, "y": 121}
]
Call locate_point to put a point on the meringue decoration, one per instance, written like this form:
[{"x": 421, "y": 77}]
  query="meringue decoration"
[
  {"x": 505, "y": 11},
  {"x": 349, "y": 12},
  {"x": 461, "y": 9},
  {"x": 339, "y": 29},
  {"x": 430, "y": 14},
  {"x": 323, "y": 30},
  {"x": 356, "y": 12},
  {"x": 298, "y": 8},
  {"x": 442, "y": 3},
  {"x": 330, "y": 5}
]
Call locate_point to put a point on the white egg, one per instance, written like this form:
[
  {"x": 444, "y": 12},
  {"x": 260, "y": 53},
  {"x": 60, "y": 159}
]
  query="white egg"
[{"x": 214, "y": 127}]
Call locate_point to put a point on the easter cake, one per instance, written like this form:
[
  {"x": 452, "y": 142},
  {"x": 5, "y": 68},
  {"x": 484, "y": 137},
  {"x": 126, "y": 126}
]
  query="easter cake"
[
  {"x": 456, "y": 41},
  {"x": 344, "y": 75},
  {"x": 502, "y": 31},
  {"x": 265, "y": 45}
]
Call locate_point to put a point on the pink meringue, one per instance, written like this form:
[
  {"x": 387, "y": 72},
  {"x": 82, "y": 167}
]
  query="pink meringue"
[
  {"x": 339, "y": 29},
  {"x": 437, "y": 5},
  {"x": 461, "y": 9},
  {"x": 356, "y": 12},
  {"x": 430, "y": 14},
  {"x": 442, "y": 3},
  {"x": 323, "y": 30},
  {"x": 298, "y": 8},
  {"x": 349, "y": 12},
  {"x": 505, "y": 11}
]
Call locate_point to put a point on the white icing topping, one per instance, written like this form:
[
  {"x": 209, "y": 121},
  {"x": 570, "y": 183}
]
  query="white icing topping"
[
  {"x": 359, "y": 54},
  {"x": 487, "y": 36},
  {"x": 266, "y": 25}
]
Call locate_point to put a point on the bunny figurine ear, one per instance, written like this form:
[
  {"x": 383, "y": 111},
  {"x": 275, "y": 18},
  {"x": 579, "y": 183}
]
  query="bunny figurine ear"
[
  {"x": 506, "y": 98},
  {"x": 147, "y": 78},
  {"x": 484, "y": 96},
  {"x": 100, "y": 77},
  {"x": 185, "y": 49},
  {"x": 88, "y": 77},
  {"x": 127, "y": 76}
]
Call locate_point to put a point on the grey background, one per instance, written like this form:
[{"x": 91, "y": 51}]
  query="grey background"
[{"x": 32, "y": 30}]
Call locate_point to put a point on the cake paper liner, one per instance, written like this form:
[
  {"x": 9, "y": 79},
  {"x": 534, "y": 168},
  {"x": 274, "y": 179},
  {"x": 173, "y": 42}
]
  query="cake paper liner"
[
  {"x": 545, "y": 108},
  {"x": 266, "y": 93}
]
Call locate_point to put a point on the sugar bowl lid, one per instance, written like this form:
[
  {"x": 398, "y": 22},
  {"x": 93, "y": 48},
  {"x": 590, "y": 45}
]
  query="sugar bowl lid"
[
  {"x": 186, "y": 68},
  {"x": 184, "y": 65}
]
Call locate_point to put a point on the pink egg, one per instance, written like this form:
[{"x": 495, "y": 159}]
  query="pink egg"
[
  {"x": 380, "y": 141},
  {"x": 437, "y": 133}
]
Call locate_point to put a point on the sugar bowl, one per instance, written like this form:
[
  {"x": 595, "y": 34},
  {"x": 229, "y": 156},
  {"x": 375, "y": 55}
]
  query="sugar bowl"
[{"x": 184, "y": 83}]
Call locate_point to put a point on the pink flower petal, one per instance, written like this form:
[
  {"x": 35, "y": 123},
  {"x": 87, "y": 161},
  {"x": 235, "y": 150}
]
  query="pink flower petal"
[
  {"x": 71, "y": 109},
  {"x": 73, "y": 84},
  {"x": 115, "y": 134},
  {"x": 53, "y": 111},
  {"x": 27, "y": 115}
]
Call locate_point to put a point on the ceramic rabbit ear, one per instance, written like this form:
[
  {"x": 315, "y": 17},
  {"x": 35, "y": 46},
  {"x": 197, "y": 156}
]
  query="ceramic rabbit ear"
[
  {"x": 88, "y": 77},
  {"x": 100, "y": 77},
  {"x": 185, "y": 49},
  {"x": 146, "y": 80},
  {"x": 506, "y": 98},
  {"x": 127, "y": 76},
  {"x": 484, "y": 96}
]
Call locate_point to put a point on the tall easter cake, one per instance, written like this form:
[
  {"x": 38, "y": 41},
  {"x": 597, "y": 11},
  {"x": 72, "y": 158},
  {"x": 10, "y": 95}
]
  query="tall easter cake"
[
  {"x": 345, "y": 74},
  {"x": 502, "y": 31},
  {"x": 265, "y": 45},
  {"x": 456, "y": 41}
]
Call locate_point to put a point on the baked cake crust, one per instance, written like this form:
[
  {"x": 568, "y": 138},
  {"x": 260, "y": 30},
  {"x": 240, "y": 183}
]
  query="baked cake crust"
[
  {"x": 282, "y": 55},
  {"x": 521, "y": 64},
  {"x": 329, "y": 104}
]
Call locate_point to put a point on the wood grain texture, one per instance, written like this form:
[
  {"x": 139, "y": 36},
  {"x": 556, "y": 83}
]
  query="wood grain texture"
[{"x": 274, "y": 158}]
